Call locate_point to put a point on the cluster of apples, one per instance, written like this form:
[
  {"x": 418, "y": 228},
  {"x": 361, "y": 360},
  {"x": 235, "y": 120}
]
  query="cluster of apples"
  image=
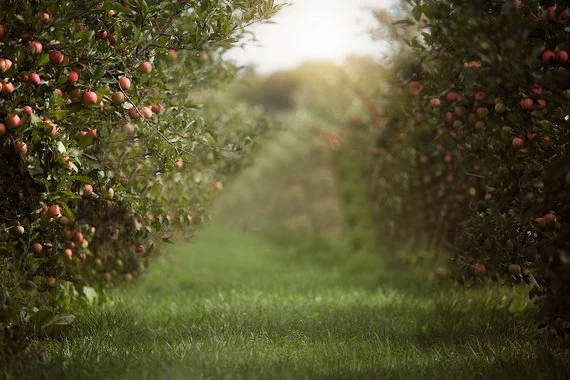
[
  {"x": 483, "y": 105},
  {"x": 14, "y": 121}
]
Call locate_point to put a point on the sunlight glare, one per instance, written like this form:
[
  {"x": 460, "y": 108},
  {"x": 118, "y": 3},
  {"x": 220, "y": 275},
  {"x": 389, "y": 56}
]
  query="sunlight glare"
[{"x": 312, "y": 30}]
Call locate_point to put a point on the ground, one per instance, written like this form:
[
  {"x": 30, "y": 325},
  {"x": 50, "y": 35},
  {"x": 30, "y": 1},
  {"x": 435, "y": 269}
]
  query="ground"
[{"x": 232, "y": 305}]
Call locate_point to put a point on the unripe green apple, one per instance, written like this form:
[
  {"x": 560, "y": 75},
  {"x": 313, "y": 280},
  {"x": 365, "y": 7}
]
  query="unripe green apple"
[
  {"x": 117, "y": 98},
  {"x": 515, "y": 269}
]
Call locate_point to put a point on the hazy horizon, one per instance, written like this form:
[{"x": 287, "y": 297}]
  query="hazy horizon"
[{"x": 312, "y": 30}]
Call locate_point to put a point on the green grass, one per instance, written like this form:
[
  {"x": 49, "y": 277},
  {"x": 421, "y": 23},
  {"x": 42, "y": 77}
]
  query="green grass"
[{"x": 236, "y": 306}]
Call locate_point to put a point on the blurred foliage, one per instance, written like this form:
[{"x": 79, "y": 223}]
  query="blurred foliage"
[{"x": 298, "y": 189}]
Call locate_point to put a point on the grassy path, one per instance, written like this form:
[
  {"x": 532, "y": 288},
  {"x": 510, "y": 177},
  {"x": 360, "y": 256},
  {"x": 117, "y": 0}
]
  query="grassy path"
[{"x": 231, "y": 305}]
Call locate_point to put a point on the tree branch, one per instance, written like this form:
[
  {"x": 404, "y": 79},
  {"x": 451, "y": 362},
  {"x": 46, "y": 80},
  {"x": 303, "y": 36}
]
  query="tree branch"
[{"x": 160, "y": 33}]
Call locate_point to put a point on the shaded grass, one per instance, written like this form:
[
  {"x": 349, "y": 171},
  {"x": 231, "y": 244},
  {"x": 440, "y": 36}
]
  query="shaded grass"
[{"x": 236, "y": 306}]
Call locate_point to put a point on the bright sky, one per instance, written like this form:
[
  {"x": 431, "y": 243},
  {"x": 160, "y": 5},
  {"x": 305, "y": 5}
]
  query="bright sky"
[{"x": 312, "y": 30}]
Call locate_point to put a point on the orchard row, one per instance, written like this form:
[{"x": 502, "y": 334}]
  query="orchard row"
[{"x": 470, "y": 153}]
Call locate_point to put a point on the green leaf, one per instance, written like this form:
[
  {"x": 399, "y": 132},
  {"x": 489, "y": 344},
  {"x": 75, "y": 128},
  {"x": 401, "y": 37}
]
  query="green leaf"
[
  {"x": 522, "y": 300},
  {"x": 43, "y": 60},
  {"x": 417, "y": 12},
  {"x": 60, "y": 320},
  {"x": 406, "y": 21}
]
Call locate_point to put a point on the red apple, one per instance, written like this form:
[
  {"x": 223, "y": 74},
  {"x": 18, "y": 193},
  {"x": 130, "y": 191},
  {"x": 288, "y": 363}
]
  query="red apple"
[
  {"x": 5, "y": 65},
  {"x": 540, "y": 104},
  {"x": 517, "y": 142},
  {"x": 434, "y": 102},
  {"x": 550, "y": 217},
  {"x": 73, "y": 76},
  {"x": 90, "y": 97},
  {"x": 472, "y": 118},
  {"x": 93, "y": 132},
  {"x": 7, "y": 88},
  {"x": 2, "y": 32},
  {"x": 58, "y": 92},
  {"x": 87, "y": 189},
  {"x": 547, "y": 56},
  {"x": 45, "y": 16},
  {"x": 141, "y": 249},
  {"x": 13, "y": 121},
  {"x": 454, "y": 97},
  {"x": 3, "y": 129},
  {"x": 78, "y": 238},
  {"x": 178, "y": 164},
  {"x": 415, "y": 87},
  {"x": 28, "y": 110},
  {"x": 474, "y": 64},
  {"x": 37, "y": 248},
  {"x": 479, "y": 269},
  {"x": 35, "y": 48},
  {"x": 34, "y": 78},
  {"x": 552, "y": 12},
  {"x": 146, "y": 112},
  {"x": 68, "y": 253},
  {"x": 157, "y": 109},
  {"x": 55, "y": 57},
  {"x": 21, "y": 147},
  {"x": 125, "y": 83},
  {"x": 526, "y": 103},
  {"x": 479, "y": 96},
  {"x": 54, "y": 210},
  {"x": 133, "y": 112},
  {"x": 145, "y": 67}
]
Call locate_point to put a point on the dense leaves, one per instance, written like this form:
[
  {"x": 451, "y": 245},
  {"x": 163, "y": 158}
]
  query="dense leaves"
[
  {"x": 470, "y": 152},
  {"x": 103, "y": 150}
]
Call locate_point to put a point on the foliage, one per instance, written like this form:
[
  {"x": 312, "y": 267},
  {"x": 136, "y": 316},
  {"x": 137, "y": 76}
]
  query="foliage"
[
  {"x": 469, "y": 151},
  {"x": 89, "y": 159}
]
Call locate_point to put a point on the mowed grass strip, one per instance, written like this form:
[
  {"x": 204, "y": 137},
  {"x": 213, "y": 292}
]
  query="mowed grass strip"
[{"x": 237, "y": 306}]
